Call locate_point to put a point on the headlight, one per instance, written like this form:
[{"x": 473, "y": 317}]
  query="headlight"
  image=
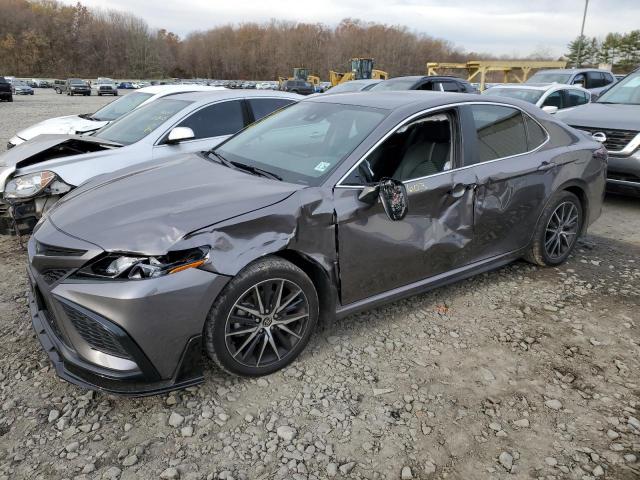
[
  {"x": 28, "y": 185},
  {"x": 120, "y": 266}
]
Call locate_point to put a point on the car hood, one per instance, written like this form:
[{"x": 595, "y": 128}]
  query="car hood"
[
  {"x": 149, "y": 208},
  {"x": 603, "y": 115},
  {"x": 71, "y": 125},
  {"x": 58, "y": 153}
]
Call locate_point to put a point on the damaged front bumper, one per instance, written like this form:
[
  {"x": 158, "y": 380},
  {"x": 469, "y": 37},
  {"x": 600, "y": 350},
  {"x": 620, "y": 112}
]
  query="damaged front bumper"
[{"x": 125, "y": 337}]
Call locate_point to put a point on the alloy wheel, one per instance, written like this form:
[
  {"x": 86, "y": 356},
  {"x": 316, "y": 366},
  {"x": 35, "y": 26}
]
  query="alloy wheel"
[
  {"x": 562, "y": 230},
  {"x": 266, "y": 322}
]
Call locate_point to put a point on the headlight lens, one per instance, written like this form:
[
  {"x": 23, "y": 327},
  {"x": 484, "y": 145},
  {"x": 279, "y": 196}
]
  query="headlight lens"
[
  {"x": 28, "y": 185},
  {"x": 120, "y": 266}
]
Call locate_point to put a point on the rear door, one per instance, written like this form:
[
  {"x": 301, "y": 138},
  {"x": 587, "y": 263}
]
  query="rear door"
[
  {"x": 211, "y": 125},
  {"x": 512, "y": 176}
]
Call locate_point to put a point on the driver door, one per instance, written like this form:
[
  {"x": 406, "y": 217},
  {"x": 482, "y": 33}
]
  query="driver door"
[{"x": 377, "y": 254}]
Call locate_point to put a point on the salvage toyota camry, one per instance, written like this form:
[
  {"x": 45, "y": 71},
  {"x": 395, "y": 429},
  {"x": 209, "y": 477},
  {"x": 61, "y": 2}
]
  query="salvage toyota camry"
[{"x": 330, "y": 206}]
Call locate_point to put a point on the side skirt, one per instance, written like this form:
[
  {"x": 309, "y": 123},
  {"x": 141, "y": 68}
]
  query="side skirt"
[{"x": 430, "y": 283}]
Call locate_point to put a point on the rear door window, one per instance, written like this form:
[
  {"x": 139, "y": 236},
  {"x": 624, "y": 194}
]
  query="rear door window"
[
  {"x": 451, "y": 87},
  {"x": 554, "y": 99},
  {"x": 575, "y": 98},
  {"x": 536, "y": 135},
  {"x": 595, "y": 80},
  {"x": 262, "y": 107},
  {"x": 500, "y": 131},
  {"x": 224, "y": 118}
]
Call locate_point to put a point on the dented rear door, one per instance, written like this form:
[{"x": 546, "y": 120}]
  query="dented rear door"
[{"x": 509, "y": 192}]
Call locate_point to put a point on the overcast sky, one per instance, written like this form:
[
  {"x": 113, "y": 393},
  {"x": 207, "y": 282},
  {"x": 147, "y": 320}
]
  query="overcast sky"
[{"x": 513, "y": 27}]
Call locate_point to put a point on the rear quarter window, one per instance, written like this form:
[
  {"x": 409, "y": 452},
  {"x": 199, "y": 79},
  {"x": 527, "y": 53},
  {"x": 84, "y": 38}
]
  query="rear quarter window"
[{"x": 536, "y": 135}]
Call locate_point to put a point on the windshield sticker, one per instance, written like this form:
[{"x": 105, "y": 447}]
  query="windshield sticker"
[{"x": 322, "y": 166}]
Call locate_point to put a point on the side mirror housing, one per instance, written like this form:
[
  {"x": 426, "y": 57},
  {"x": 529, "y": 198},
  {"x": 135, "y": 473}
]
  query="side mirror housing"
[
  {"x": 550, "y": 109},
  {"x": 393, "y": 195},
  {"x": 179, "y": 134}
]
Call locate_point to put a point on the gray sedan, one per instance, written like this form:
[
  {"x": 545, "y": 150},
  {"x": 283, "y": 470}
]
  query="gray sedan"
[
  {"x": 333, "y": 205},
  {"x": 34, "y": 175}
]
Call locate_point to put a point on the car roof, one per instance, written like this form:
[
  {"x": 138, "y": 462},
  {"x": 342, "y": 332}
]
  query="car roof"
[
  {"x": 392, "y": 100},
  {"x": 223, "y": 94},
  {"x": 573, "y": 70},
  {"x": 166, "y": 89},
  {"x": 543, "y": 87},
  {"x": 425, "y": 77}
]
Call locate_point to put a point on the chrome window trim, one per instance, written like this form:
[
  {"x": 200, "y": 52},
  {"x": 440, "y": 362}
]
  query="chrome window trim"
[{"x": 434, "y": 109}]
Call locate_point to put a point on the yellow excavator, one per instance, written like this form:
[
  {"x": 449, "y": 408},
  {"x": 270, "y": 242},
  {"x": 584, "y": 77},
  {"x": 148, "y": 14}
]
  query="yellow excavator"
[
  {"x": 361, "y": 69},
  {"x": 301, "y": 73}
]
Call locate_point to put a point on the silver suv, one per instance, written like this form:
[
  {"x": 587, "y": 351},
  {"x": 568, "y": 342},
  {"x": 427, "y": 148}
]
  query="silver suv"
[
  {"x": 593, "y": 79},
  {"x": 615, "y": 119}
]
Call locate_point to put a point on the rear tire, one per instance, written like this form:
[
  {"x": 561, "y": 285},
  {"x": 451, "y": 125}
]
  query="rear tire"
[
  {"x": 557, "y": 230},
  {"x": 285, "y": 310}
]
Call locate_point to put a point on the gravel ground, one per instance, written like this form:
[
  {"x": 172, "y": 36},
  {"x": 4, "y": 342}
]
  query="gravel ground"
[{"x": 519, "y": 373}]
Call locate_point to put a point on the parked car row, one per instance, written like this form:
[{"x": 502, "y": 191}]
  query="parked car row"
[
  {"x": 165, "y": 232},
  {"x": 90, "y": 122}
]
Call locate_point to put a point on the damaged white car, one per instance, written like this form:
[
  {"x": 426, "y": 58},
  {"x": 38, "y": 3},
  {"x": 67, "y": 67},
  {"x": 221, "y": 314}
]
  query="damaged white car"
[
  {"x": 35, "y": 174},
  {"x": 90, "y": 122}
]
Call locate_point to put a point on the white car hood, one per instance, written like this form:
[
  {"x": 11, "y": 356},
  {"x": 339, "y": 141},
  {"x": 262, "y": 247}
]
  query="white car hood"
[{"x": 69, "y": 125}]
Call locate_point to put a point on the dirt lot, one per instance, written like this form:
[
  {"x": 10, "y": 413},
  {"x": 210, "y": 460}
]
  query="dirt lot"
[{"x": 520, "y": 373}]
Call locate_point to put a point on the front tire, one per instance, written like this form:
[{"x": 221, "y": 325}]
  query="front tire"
[
  {"x": 263, "y": 318},
  {"x": 557, "y": 231}
]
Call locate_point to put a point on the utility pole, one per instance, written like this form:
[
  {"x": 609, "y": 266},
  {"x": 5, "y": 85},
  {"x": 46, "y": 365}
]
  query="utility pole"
[{"x": 581, "y": 40}]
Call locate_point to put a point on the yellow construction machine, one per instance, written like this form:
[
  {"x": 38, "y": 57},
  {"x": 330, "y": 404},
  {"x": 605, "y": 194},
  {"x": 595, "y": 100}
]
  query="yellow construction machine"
[
  {"x": 361, "y": 68},
  {"x": 301, "y": 73}
]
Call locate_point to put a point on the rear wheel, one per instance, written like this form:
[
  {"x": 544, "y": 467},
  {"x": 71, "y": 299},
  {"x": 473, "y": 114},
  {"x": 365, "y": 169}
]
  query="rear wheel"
[
  {"x": 263, "y": 318},
  {"x": 557, "y": 231}
]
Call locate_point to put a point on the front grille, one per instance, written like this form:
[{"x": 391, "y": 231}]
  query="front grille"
[
  {"x": 97, "y": 336},
  {"x": 53, "y": 251},
  {"x": 106, "y": 88},
  {"x": 52, "y": 275},
  {"x": 616, "y": 139}
]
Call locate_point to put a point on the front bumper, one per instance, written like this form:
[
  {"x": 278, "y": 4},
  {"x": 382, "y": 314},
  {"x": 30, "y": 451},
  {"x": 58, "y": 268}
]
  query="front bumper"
[
  {"x": 623, "y": 174},
  {"x": 126, "y": 337}
]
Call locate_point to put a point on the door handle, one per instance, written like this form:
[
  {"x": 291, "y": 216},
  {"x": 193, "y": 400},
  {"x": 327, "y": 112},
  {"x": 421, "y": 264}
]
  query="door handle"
[
  {"x": 547, "y": 166},
  {"x": 459, "y": 189}
]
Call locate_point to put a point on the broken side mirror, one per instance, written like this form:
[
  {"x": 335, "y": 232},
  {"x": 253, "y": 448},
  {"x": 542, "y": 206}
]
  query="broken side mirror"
[
  {"x": 392, "y": 194},
  {"x": 180, "y": 134}
]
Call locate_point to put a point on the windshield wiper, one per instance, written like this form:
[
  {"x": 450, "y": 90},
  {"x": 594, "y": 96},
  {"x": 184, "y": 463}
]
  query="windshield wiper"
[
  {"x": 223, "y": 160},
  {"x": 257, "y": 171},
  {"x": 247, "y": 168}
]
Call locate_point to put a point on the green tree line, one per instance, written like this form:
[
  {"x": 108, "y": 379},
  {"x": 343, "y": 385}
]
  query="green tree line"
[{"x": 621, "y": 50}]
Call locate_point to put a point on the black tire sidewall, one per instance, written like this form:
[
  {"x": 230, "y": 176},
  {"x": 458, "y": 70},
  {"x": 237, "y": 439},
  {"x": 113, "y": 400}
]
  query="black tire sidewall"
[
  {"x": 253, "y": 274},
  {"x": 564, "y": 197}
]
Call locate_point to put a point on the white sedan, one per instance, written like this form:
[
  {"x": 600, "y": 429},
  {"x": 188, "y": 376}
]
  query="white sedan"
[
  {"x": 550, "y": 97},
  {"x": 90, "y": 122}
]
